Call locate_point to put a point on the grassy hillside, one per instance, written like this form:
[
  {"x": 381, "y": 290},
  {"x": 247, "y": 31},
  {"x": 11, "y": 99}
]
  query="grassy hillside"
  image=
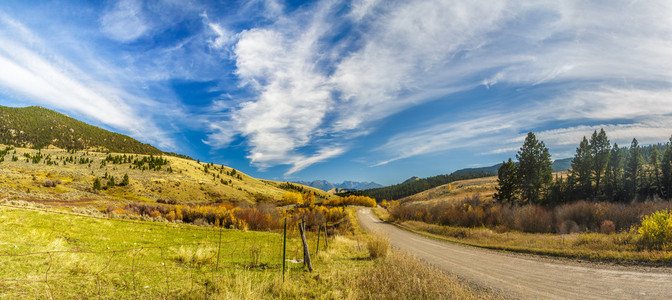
[
  {"x": 408, "y": 188},
  {"x": 26, "y": 173},
  {"x": 456, "y": 190},
  {"x": 38, "y": 127}
]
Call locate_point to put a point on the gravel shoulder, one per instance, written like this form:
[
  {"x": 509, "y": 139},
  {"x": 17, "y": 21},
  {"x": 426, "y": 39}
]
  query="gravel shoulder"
[{"x": 528, "y": 276}]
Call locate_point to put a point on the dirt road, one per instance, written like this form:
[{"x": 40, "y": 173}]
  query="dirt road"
[{"x": 528, "y": 276}]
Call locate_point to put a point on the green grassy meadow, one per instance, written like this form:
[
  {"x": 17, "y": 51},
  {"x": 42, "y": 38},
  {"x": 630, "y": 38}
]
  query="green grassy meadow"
[{"x": 51, "y": 254}]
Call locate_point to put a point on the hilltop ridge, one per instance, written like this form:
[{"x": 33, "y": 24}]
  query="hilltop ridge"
[{"x": 38, "y": 127}]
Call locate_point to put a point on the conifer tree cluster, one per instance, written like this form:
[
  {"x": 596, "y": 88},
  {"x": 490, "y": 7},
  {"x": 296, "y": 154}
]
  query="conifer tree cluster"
[{"x": 600, "y": 172}]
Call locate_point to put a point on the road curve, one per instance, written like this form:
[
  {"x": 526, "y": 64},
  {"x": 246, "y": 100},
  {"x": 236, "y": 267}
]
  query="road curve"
[{"x": 527, "y": 276}]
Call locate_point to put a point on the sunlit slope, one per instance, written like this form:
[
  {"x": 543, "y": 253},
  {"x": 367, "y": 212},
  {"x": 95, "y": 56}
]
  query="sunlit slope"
[
  {"x": 457, "y": 190},
  {"x": 22, "y": 176}
]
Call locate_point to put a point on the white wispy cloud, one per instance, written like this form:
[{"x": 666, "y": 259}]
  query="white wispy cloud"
[
  {"x": 313, "y": 94},
  {"x": 42, "y": 76},
  {"x": 589, "y": 50},
  {"x": 292, "y": 99},
  {"x": 124, "y": 22}
]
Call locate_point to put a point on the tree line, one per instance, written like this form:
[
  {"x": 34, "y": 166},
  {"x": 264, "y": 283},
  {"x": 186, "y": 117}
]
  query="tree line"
[{"x": 600, "y": 172}]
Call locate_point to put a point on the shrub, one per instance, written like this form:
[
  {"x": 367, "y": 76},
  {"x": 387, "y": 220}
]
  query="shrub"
[
  {"x": 656, "y": 230},
  {"x": 582, "y": 213},
  {"x": 198, "y": 256},
  {"x": 255, "y": 255},
  {"x": 535, "y": 219},
  {"x": 51, "y": 182},
  {"x": 292, "y": 198},
  {"x": 568, "y": 227},
  {"x": 607, "y": 227},
  {"x": 378, "y": 246}
]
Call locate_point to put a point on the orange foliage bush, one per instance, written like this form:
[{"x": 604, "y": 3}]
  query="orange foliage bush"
[
  {"x": 262, "y": 216},
  {"x": 352, "y": 200}
]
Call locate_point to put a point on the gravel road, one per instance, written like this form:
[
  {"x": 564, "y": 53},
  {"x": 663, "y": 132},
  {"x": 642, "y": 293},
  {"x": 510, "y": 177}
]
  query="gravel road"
[{"x": 527, "y": 276}]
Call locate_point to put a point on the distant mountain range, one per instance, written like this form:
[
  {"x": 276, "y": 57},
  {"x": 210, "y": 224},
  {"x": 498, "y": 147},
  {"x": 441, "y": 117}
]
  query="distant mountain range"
[{"x": 345, "y": 185}]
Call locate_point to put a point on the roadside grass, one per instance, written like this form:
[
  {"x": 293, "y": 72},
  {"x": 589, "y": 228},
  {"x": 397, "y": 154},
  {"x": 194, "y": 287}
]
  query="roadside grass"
[
  {"x": 619, "y": 247},
  {"x": 52, "y": 255}
]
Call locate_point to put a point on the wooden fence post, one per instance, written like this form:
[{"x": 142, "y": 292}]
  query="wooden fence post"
[
  {"x": 317, "y": 246},
  {"x": 326, "y": 239},
  {"x": 306, "y": 252}
]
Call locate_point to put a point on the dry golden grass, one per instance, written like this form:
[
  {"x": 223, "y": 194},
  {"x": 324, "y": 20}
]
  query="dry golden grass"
[
  {"x": 401, "y": 276},
  {"x": 188, "y": 183},
  {"x": 456, "y": 190},
  {"x": 378, "y": 246}
]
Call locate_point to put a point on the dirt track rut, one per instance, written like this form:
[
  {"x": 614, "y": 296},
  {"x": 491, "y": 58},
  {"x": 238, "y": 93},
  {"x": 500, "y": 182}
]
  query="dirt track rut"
[{"x": 527, "y": 276}]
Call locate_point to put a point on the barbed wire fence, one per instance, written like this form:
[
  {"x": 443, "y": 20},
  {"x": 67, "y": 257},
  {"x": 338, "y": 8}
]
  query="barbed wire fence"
[{"x": 195, "y": 269}]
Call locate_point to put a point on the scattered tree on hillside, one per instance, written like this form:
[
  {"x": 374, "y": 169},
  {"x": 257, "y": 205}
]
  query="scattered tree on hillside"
[
  {"x": 96, "y": 185},
  {"x": 125, "y": 181}
]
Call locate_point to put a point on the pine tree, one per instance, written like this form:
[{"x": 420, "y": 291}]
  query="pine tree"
[
  {"x": 633, "y": 169},
  {"x": 125, "y": 181},
  {"x": 666, "y": 171},
  {"x": 600, "y": 151},
  {"x": 580, "y": 174},
  {"x": 653, "y": 184},
  {"x": 613, "y": 175},
  {"x": 96, "y": 185},
  {"x": 557, "y": 192},
  {"x": 507, "y": 180},
  {"x": 534, "y": 169}
]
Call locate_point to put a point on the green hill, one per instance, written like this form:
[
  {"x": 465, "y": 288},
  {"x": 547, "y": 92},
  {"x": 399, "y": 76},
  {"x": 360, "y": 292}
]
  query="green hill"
[{"x": 38, "y": 127}]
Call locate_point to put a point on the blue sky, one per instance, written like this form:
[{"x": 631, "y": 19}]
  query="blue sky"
[{"x": 346, "y": 90}]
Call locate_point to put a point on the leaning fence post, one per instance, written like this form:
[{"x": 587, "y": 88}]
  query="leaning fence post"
[
  {"x": 284, "y": 249},
  {"x": 326, "y": 239},
  {"x": 317, "y": 246},
  {"x": 306, "y": 252}
]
